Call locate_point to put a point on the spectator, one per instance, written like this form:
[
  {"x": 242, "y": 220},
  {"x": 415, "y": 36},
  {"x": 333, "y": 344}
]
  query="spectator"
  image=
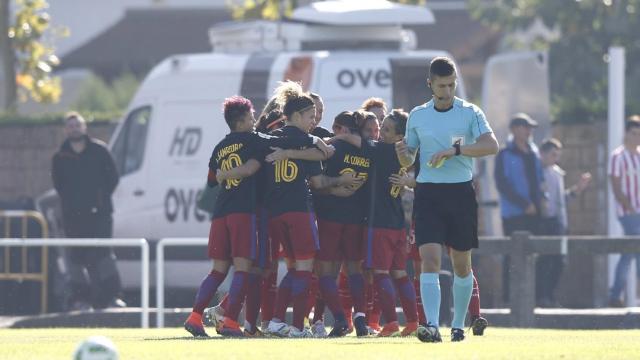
[
  {"x": 519, "y": 179},
  {"x": 376, "y": 106},
  {"x": 554, "y": 220},
  {"x": 624, "y": 172},
  {"x": 85, "y": 176}
]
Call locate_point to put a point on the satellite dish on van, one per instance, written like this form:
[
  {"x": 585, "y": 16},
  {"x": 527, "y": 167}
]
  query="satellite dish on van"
[{"x": 358, "y": 12}]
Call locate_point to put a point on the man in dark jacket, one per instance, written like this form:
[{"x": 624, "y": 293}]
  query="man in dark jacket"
[{"x": 84, "y": 175}]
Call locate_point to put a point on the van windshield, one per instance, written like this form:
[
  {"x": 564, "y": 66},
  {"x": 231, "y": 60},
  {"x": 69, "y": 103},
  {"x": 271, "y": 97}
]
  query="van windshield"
[{"x": 128, "y": 148}]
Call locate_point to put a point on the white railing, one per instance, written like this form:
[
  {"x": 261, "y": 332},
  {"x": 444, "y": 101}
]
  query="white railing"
[
  {"x": 160, "y": 269},
  {"x": 142, "y": 243}
]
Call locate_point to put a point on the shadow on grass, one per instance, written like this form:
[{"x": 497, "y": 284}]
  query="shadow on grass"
[
  {"x": 212, "y": 338},
  {"x": 189, "y": 338},
  {"x": 375, "y": 342}
]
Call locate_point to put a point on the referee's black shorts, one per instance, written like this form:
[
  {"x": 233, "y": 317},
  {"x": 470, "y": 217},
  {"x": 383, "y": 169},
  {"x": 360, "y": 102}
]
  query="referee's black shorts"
[{"x": 446, "y": 214}]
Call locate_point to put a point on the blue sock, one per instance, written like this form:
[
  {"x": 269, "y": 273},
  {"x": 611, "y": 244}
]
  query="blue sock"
[
  {"x": 430, "y": 292},
  {"x": 462, "y": 288}
]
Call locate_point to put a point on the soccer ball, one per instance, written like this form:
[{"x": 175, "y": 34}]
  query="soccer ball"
[{"x": 96, "y": 348}]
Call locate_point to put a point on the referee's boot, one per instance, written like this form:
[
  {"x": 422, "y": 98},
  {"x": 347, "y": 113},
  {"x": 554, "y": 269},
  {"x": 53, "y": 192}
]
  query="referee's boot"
[
  {"x": 428, "y": 333},
  {"x": 457, "y": 335},
  {"x": 478, "y": 324}
]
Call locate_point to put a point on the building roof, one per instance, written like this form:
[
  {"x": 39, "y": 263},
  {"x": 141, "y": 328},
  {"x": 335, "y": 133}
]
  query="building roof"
[{"x": 143, "y": 38}]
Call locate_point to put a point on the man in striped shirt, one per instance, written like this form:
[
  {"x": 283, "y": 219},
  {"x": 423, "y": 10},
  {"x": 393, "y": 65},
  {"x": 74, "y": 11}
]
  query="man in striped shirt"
[{"x": 624, "y": 171}]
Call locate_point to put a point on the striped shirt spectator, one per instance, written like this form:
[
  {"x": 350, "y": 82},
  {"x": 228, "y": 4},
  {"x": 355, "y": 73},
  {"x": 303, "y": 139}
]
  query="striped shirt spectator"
[
  {"x": 624, "y": 174},
  {"x": 625, "y": 165}
]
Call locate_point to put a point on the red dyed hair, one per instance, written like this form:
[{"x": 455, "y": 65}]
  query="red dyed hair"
[{"x": 234, "y": 108}]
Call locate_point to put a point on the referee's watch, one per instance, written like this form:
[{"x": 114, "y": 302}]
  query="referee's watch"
[{"x": 457, "y": 147}]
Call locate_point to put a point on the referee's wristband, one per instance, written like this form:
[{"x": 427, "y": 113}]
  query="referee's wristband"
[{"x": 457, "y": 147}]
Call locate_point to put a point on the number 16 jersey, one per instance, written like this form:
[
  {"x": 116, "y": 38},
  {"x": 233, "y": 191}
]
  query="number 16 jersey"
[{"x": 287, "y": 186}]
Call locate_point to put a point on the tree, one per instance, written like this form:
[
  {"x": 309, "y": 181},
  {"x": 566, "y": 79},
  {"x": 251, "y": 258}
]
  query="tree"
[
  {"x": 276, "y": 9},
  {"x": 26, "y": 56},
  {"x": 578, "y": 57},
  {"x": 96, "y": 96}
]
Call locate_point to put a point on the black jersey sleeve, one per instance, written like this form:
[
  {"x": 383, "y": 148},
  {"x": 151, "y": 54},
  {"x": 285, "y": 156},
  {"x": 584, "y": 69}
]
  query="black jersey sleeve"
[
  {"x": 267, "y": 141},
  {"x": 312, "y": 168},
  {"x": 321, "y": 132},
  {"x": 213, "y": 167},
  {"x": 371, "y": 147}
]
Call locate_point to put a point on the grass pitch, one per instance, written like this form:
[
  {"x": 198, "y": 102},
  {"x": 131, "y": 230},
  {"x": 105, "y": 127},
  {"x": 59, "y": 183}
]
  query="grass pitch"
[{"x": 173, "y": 343}]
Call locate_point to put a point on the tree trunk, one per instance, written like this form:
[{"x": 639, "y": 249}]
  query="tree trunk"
[{"x": 8, "y": 60}]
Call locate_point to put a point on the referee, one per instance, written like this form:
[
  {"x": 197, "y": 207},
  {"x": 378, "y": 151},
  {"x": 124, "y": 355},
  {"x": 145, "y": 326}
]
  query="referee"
[{"x": 448, "y": 132}]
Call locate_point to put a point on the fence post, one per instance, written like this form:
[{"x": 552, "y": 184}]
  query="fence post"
[{"x": 522, "y": 281}]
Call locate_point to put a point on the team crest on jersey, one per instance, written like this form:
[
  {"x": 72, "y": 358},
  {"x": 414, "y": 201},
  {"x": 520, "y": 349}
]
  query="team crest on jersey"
[{"x": 457, "y": 139}]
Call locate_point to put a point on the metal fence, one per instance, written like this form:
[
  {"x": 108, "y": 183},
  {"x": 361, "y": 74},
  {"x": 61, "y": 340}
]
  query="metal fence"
[
  {"x": 42, "y": 275},
  {"x": 160, "y": 269},
  {"x": 141, "y": 243},
  {"x": 521, "y": 247}
]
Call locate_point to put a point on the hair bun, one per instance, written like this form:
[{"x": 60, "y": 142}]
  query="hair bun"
[{"x": 287, "y": 90}]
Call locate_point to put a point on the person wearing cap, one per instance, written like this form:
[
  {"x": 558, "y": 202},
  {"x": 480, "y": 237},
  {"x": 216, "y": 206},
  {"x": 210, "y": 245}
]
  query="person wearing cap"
[{"x": 519, "y": 178}]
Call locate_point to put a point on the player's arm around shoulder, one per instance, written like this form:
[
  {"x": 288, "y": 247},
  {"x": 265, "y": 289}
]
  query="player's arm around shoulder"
[
  {"x": 322, "y": 181},
  {"x": 240, "y": 172},
  {"x": 308, "y": 154}
]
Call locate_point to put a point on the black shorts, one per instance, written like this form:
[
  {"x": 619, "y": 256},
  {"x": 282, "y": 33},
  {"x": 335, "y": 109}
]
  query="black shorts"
[{"x": 446, "y": 214}]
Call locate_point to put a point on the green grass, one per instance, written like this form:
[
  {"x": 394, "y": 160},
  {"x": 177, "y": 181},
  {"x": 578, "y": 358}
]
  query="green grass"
[{"x": 498, "y": 343}]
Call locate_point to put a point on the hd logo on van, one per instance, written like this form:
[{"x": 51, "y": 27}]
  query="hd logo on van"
[{"x": 186, "y": 141}]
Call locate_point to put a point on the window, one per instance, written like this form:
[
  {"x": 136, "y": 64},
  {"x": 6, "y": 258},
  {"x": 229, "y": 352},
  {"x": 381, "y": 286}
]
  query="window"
[{"x": 128, "y": 148}]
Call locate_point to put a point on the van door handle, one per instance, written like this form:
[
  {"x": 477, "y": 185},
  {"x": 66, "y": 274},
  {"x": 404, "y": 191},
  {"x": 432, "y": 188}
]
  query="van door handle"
[{"x": 138, "y": 192}]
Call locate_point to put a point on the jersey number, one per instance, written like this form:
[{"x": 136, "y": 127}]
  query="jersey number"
[
  {"x": 362, "y": 175},
  {"x": 286, "y": 171},
  {"x": 229, "y": 163}
]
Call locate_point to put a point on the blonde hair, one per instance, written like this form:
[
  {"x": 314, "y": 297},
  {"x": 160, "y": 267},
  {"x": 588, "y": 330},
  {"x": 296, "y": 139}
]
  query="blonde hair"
[
  {"x": 292, "y": 98},
  {"x": 287, "y": 90}
]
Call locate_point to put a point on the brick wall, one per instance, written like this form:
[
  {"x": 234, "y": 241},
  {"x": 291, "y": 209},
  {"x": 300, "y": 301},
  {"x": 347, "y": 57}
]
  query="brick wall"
[{"x": 25, "y": 156}]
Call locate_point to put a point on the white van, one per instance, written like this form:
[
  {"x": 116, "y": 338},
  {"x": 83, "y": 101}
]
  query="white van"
[{"x": 163, "y": 145}]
